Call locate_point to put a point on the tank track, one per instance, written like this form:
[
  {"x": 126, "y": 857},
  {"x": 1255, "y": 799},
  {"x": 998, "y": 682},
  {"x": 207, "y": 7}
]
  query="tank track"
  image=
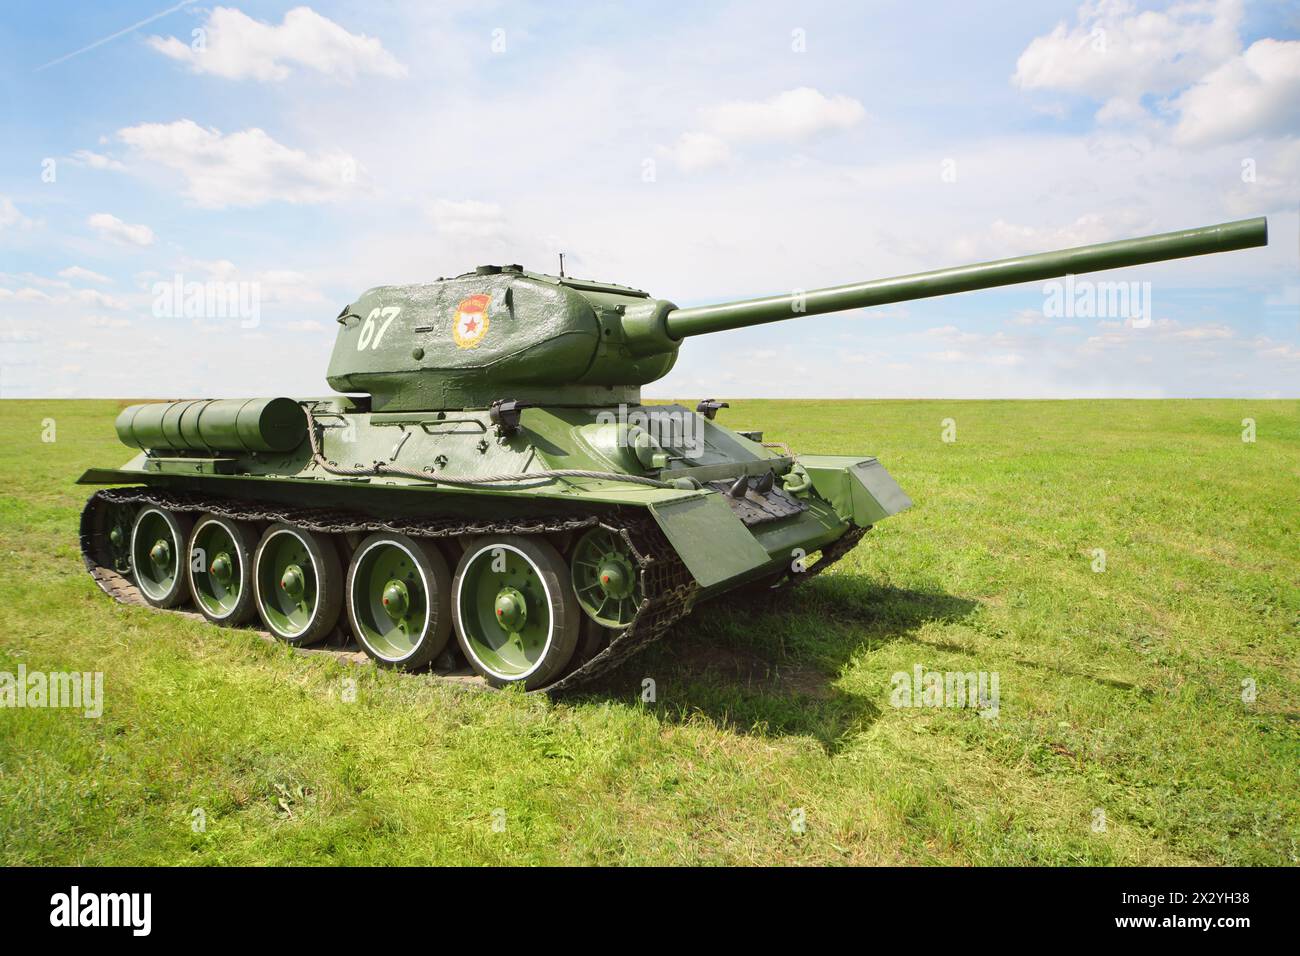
[
  {"x": 830, "y": 554},
  {"x": 668, "y": 587}
]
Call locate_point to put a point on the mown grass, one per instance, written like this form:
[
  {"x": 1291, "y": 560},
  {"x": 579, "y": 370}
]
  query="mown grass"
[{"x": 1120, "y": 691}]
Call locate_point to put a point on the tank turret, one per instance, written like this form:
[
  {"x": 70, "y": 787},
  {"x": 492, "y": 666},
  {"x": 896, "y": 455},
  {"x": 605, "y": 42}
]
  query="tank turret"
[{"x": 459, "y": 342}]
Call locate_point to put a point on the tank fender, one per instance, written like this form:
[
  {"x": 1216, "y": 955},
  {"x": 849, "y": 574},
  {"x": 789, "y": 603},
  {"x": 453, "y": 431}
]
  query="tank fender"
[
  {"x": 712, "y": 542},
  {"x": 859, "y": 489}
]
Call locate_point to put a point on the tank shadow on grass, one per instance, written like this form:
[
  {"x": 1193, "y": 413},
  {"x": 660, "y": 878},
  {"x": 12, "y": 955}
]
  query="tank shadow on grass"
[{"x": 768, "y": 665}]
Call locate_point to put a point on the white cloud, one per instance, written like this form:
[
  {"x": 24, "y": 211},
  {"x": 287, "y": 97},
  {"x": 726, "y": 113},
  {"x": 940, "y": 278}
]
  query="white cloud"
[
  {"x": 1121, "y": 110},
  {"x": 1202, "y": 332},
  {"x": 93, "y": 297},
  {"x": 34, "y": 279},
  {"x": 278, "y": 286},
  {"x": 14, "y": 334},
  {"x": 1190, "y": 56},
  {"x": 305, "y": 325},
  {"x": 219, "y": 269},
  {"x": 1007, "y": 359},
  {"x": 467, "y": 217},
  {"x": 791, "y": 116},
  {"x": 84, "y": 157},
  {"x": 107, "y": 322},
  {"x": 1004, "y": 238},
  {"x": 1117, "y": 51},
  {"x": 1125, "y": 334},
  {"x": 1028, "y": 317},
  {"x": 1288, "y": 297},
  {"x": 78, "y": 274},
  {"x": 698, "y": 151},
  {"x": 27, "y": 294},
  {"x": 236, "y": 46},
  {"x": 10, "y": 216},
  {"x": 1268, "y": 348},
  {"x": 102, "y": 300},
  {"x": 788, "y": 117},
  {"x": 110, "y": 227},
  {"x": 953, "y": 335},
  {"x": 1254, "y": 94},
  {"x": 286, "y": 287},
  {"x": 246, "y": 168}
]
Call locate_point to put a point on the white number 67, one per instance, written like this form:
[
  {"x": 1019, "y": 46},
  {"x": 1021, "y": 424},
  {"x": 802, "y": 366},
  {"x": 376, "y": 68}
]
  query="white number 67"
[{"x": 387, "y": 314}]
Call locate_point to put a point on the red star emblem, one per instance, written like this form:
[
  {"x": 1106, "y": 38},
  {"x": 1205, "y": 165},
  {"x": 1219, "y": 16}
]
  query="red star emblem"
[{"x": 471, "y": 320}]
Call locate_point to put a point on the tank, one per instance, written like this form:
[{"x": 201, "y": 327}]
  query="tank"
[{"x": 487, "y": 493}]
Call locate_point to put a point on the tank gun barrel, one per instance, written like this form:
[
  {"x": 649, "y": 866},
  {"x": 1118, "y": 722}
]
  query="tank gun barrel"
[{"x": 1185, "y": 243}]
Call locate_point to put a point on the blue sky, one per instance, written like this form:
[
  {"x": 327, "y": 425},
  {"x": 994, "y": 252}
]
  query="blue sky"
[{"x": 721, "y": 151}]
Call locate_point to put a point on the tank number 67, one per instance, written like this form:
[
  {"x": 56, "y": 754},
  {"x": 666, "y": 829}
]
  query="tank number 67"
[{"x": 373, "y": 320}]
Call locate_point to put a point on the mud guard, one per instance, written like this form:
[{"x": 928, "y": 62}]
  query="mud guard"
[
  {"x": 859, "y": 489},
  {"x": 711, "y": 541}
]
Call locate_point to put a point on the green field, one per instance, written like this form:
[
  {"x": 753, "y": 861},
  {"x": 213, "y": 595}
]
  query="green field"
[{"x": 1125, "y": 732}]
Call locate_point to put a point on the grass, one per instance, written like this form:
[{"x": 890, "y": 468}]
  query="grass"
[{"x": 1121, "y": 692}]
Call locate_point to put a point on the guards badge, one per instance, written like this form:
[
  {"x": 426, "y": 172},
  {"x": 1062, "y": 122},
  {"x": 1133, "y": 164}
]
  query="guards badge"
[{"x": 471, "y": 321}]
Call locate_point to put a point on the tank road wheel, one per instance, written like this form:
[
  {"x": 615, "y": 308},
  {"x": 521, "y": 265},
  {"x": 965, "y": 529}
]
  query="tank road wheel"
[
  {"x": 399, "y": 600},
  {"x": 220, "y": 560},
  {"x": 117, "y": 523},
  {"x": 158, "y": 540},
  {"x": 298, "y": 583},
  {"x": 515, "y": 614},
  {"x": 605, "y": 578}
]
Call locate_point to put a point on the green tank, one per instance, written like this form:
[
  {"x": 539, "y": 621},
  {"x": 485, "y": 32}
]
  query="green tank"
[{"x": 487, "y": 489}]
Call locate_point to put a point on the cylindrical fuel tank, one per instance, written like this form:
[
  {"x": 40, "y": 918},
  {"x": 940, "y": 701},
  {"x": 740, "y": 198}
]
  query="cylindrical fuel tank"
[{"x": 227, "y": 424}]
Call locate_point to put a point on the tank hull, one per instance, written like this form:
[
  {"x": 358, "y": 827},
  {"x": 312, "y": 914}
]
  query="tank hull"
[{"x": 724, "y": 509}]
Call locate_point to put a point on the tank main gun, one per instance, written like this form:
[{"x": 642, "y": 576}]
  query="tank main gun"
[{"x": 1182, "y": 244}]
